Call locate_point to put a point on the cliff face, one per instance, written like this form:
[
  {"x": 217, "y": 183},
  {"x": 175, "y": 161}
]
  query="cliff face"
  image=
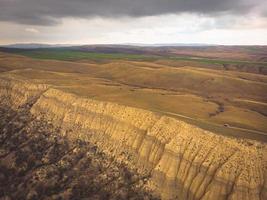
[
  {"x": 184, "y": 161},
  {"x": 15, "y": 92},
  {"x": 37, "y": 162}
]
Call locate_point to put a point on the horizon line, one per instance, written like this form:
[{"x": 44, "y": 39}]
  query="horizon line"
[{"x": 127, "y": 44}]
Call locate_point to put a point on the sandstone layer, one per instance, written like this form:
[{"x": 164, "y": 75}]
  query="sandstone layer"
[{"x": 185, "y": 162}]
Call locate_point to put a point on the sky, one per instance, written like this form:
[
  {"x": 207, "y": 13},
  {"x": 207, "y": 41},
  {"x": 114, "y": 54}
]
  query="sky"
[{"x": 228, "y": 22}]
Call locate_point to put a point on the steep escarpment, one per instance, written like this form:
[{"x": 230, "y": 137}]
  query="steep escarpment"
[
  {"x": 15, "y": 92},
  {"x": 184, "y": 161},
  {"x": 37, "y": 162}
]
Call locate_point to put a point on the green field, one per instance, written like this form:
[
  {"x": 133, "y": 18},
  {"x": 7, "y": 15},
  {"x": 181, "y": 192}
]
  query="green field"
[{"x": 74, "y": 55}]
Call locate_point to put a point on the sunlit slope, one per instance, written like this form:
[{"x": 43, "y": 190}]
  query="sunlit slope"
[{"x": 206, "y": 95}]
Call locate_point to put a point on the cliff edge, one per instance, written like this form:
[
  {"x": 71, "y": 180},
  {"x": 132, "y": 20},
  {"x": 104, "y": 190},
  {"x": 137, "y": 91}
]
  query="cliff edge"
[{"x": 184, "y": 162}]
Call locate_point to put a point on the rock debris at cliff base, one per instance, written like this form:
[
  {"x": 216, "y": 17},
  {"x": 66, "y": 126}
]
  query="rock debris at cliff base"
[{"x": 36, "y": 162}]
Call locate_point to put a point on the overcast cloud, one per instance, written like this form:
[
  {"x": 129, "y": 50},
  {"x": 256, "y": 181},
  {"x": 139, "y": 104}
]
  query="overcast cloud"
[
  {"x": 50, "y": 12},
  {"x": 130, "y": 21}
]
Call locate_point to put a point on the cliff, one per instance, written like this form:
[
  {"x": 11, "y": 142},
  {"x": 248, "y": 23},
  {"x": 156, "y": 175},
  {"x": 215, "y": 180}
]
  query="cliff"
[
  {"x": 15, "y": 92},
  {"x": 184, "y": 161}
]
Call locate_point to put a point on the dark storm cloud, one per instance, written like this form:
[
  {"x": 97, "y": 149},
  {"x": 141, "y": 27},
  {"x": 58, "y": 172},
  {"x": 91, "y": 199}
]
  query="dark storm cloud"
[{"x": 49, "y": 12}]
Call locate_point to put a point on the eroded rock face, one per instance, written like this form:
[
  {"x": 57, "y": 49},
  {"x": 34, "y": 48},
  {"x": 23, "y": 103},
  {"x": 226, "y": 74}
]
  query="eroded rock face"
[
  {"x": 184, "y": 161},
  {"x": 15, "y": 92},
  {"x": 36, "y": 162}
]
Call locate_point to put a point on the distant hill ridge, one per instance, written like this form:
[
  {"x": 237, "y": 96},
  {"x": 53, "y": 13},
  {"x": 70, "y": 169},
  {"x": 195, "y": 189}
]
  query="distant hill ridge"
[{"x": 42, "y": 45}]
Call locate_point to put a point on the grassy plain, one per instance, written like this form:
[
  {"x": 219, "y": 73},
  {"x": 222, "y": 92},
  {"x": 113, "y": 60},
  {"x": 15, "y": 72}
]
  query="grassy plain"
[{"x": 201, "y": 93}]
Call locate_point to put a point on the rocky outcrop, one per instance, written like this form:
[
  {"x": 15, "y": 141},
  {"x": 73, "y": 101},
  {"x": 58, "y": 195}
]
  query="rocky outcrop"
[{"x": 184, "y": 161}]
